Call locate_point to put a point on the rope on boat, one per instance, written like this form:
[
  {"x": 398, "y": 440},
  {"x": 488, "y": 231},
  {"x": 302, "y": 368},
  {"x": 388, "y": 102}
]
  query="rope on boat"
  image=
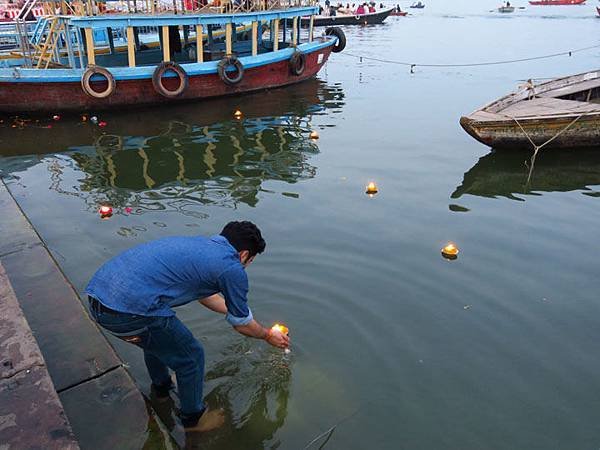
[
  {"x": 475, "y": 64},
  {"x": 537, "y": 148}
]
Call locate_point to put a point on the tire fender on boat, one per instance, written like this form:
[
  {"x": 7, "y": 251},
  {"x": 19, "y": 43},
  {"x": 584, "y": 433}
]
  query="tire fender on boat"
[
  {"x": 87, "y": 77},
  {"x": 297, "y": 63},
  {"x": 224, "y": 75},
  {"x": 160, "y": 70},
  {"x": 339, "y": 34}
]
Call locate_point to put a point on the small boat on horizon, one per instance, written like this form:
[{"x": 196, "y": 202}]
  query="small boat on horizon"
[
  {"x": 376, "y": 17},
  {"x": 506, "y": 9},
  {"x": 418, "y": 5},
  {"x": 564, "y": 112},
  {"x": 556, "y": 2}
]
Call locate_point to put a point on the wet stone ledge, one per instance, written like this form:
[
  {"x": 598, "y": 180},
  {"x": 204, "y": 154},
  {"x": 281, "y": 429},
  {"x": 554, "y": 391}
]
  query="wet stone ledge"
[{"x": 101, "y": 403}]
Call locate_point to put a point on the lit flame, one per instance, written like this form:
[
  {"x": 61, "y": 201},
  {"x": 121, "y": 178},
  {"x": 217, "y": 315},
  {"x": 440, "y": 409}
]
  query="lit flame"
[
  {"x": 105, "y": 211},
  {"x": 237, "y": 114},
  {"x": 371, "y": 188},
  {"x": 281, "y": 328},
  {"x": 450, "y": 250}
]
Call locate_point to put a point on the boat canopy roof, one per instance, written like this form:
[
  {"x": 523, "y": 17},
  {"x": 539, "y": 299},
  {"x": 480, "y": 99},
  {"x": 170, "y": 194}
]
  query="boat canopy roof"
[{"x": 142, "y": 20}]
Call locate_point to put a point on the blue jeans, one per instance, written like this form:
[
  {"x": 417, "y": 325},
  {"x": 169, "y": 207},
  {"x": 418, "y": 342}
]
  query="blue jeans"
[{"x": 167, "y": 343}]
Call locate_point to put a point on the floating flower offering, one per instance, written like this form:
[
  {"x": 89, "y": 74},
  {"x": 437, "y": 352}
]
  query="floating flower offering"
[
  {"x": 105, "y": 211},
  {"x": 237, "y": 114},
  {"x": 371, "y": 188},
  {"x": 281, "y": 328},
  {"x": 314, "y": 135},
  {"x": 450, "y": 251}
]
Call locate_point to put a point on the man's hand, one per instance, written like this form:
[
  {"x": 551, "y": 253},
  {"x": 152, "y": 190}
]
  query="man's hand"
[
  {"x": 256, "y": 330},
  {"x": 277, "y": 339}
]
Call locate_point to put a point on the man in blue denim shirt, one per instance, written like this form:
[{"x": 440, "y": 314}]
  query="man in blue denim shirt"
[{"x": 132, "y": 294}]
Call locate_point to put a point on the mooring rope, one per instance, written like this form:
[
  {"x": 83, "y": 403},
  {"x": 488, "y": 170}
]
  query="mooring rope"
[
  {"x": 475, "y": 64},
  {"x": 537, "y": 148}
]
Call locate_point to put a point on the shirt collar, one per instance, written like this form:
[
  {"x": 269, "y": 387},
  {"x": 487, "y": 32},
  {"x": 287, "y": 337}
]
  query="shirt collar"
[{"x": 222, "y": 240}]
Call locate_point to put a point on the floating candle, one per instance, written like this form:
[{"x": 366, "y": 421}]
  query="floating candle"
[
  {"x": 237, "y": 114},
  {"x": 450, "y": 251},
  {"x": 371, "y": 188},
  {"x": 105, "y": 211},
  {"x": 314, "y": 135}
]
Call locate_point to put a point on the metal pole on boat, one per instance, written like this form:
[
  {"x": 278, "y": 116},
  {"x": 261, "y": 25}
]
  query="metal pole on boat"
[
  {"x": 130, "y": 47},
  {"x": 77, "y": 32},
  {"x": 254, "y": 38},
  {"x": 199, "y": 44},
  {"x": 69, "y": 44},
  {"x": 311, "y": 28}
]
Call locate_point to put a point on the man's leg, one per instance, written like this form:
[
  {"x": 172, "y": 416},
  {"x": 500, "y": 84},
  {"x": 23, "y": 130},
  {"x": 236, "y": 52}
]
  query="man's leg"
[{"x": 159, "y": 374}]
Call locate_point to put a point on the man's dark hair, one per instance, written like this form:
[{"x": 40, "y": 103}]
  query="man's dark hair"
[{"x": 244, "y": 236}]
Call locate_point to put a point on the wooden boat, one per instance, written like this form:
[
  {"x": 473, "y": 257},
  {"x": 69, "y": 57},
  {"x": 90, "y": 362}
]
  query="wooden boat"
[
  {"x": 348, "y": 19},
  {"x": 63, "y": 72},
  {"x": 566, "y": 109},
  {"x": 506, "y": 9},
  {"x": 398, "y": 13},
  {"x": 556, "y": 2}
]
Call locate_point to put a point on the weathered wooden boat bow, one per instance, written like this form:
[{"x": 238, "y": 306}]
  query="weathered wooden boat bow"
[
  {"x": 73, "y": 61},
  {"x": 562, "y": 113}
]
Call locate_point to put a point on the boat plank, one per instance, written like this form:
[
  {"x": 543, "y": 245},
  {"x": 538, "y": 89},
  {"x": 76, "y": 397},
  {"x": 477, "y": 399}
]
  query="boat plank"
[{"x": 567, "y": 90}]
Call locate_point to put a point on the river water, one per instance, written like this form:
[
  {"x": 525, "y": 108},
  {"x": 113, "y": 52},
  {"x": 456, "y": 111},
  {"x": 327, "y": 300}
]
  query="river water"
[{"x": 394, "y": 347}]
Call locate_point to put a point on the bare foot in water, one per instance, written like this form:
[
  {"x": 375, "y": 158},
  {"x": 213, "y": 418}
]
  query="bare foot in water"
[{"x": 210, "y": 420}]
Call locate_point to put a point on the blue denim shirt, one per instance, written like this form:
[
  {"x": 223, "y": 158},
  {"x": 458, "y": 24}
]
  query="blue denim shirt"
[{"x": 151, "y": 278}]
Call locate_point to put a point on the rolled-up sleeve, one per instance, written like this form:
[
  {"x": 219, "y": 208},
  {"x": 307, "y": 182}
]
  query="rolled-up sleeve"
[{"x": 233, "y": 284}]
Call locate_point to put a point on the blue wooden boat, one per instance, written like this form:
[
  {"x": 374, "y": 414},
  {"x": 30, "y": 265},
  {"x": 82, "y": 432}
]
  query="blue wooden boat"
[{"x": 70, "y": 62}]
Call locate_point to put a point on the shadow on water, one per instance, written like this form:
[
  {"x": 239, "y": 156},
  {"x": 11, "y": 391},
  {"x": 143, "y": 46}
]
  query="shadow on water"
[
  {"x": 179, "y": 158},
  {"x": 506, "y": 173}
]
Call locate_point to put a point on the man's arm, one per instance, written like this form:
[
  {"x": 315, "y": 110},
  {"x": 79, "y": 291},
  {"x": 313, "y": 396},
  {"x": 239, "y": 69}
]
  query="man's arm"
[
  {"x": 253, "y": 329},
  {"x": 256, "y": 330},
  {"x": 215, "y": 303}
]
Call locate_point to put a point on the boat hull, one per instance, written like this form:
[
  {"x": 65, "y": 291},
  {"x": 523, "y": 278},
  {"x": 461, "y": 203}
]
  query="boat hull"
[
  {"x": 556, "y": 2},
  {"x": 401, "y": 13},
  {"x": 506, "y": 9},
  {"x": 365, "y": 19},
  {"x": 69, "y": 96},
  {"x": 585, "y": 132}
]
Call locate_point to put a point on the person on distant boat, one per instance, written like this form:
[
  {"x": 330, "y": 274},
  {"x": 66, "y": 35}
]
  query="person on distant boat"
[
  {"x": 132, "y": 296},
  {"x": 332, "y": 11},
  {"x": 381, "y": 6},
  {"x": 360, "y": 10},
  {"x": 398, "y": 9},
  {"x": 371, "y": 9}
]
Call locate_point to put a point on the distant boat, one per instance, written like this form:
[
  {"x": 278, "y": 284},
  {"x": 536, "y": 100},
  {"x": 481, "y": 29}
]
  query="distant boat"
[
  {"x": 566, "y": 108},
  {"x": 418, "y": 5},
  {"x": 598, "y": 10},
  {"x": 506, "y": 9},
  {"x": 556, "y": 2},
  {"x": 348, "y": 19}
]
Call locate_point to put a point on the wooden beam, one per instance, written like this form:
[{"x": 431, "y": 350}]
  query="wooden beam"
[
  {"x": 295, "y": 32},
  {"x": 311, "y": 28},
  {"x": 275, "y": 35},
  {"x": 89, "y": 44},
  {"x": 254, "y": 38},
  {"x": 130, "y": 47},
  {"x": 165, "y": 44},
  {"x": 199, "y": 44},
  {"x": 228, "y": 43}
]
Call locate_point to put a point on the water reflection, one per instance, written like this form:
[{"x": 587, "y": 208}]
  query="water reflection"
[
  {"x": 252, "y": 388},
  {"x": 505, "y": 174},
  {"x": 179, "y": 159}
]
